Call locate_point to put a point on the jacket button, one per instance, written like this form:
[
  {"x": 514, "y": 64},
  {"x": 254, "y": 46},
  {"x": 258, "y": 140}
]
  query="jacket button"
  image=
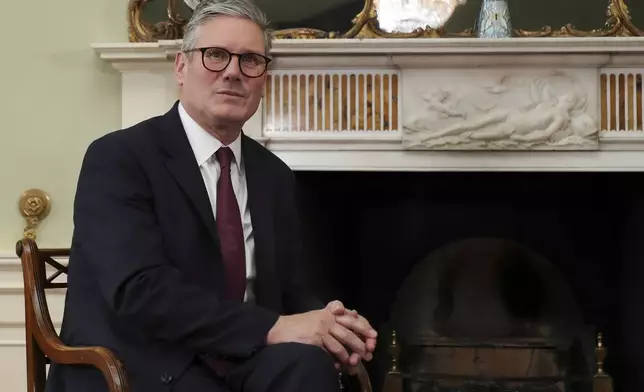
[{"x": 166, "y": 378}]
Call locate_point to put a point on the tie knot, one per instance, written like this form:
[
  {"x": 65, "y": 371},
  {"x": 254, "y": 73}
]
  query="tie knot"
[{"x": 224, "y": 156}]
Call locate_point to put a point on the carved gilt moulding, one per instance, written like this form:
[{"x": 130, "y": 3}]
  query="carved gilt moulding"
[{"x": 365, "y": 25}]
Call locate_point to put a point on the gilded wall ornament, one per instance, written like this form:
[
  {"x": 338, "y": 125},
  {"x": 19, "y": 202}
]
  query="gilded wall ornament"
[{"x": 34, "y": 206}]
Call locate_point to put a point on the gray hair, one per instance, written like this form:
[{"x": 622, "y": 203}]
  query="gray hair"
[{"x": 209, "y": 9}]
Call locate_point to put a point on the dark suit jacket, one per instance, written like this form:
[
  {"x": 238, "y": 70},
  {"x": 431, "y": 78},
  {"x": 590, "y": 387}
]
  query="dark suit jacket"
[{"x": 145, "y": 271}]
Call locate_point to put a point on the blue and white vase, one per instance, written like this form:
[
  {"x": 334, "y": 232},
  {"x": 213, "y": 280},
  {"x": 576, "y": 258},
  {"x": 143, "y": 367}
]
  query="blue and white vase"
[{"x": 494, "y": 20}]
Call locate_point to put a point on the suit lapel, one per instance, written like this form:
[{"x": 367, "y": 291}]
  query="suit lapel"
[
  {"x": 260, "y": 198},
  {"x": 183, "y": 167}
]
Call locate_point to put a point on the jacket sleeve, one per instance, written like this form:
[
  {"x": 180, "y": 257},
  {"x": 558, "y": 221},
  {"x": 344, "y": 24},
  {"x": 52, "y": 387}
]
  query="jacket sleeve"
[
  {"x": 296, "y": 294},
  {"x": 117, "y": 232}
]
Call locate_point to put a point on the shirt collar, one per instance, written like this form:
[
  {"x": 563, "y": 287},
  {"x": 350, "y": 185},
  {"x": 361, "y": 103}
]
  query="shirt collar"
[{"x": 203, "y": 144}]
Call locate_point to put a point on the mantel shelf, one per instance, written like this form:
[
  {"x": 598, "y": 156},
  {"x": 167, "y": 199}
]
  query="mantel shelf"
[
  {"x": 593, "y": 45},
  {"x": 407, "y": 52}
]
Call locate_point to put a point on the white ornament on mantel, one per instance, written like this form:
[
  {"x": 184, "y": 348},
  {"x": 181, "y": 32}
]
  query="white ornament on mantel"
[
  {"x": 406, "y": 16},
  {"x": 520, "y": 110}
]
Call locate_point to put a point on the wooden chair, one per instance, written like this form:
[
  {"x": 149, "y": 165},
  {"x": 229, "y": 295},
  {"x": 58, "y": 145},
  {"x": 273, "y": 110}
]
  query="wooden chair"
[
  {"x": 360, "y": 382},
  {"x": 44, "y": 345}
]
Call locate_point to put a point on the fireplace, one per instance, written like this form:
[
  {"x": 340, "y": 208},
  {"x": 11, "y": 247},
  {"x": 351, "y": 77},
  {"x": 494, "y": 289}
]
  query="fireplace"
[
  {"x": 475, "y": 198},
  {"x": 491, "y": 314},
  {"x": 491, "y": 281}
]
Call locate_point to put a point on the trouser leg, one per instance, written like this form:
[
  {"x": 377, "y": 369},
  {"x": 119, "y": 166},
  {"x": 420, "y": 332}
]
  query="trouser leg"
[
  {"x": 288, "y": 367},
  {"x": 199, "y": 378}
]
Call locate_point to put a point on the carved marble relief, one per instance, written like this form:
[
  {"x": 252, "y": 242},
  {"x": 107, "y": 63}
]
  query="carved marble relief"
[{"x": 510, "y": 112}]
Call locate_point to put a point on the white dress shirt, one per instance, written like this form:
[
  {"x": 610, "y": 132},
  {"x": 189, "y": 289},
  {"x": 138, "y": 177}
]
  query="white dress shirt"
[{"x": 204, "y": 146}]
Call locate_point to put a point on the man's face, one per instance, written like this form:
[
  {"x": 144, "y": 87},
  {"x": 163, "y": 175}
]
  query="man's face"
[{"x": 227, "y": 97}]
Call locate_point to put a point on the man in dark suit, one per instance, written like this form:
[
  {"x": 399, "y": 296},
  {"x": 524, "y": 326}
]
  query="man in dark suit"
[{"x": 186, "y": 258}]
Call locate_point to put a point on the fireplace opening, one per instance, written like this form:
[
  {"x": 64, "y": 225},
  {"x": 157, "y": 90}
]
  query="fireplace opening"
[
  {"x": 485, "y": 276},
  {"x": 487, "y": 312}
]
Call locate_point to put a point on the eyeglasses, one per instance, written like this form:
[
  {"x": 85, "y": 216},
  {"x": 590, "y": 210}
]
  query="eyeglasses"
[{"x": 216, "y": 59}]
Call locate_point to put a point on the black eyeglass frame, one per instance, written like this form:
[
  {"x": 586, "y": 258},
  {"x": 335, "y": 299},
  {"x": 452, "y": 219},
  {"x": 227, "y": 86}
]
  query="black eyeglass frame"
[{"x": 230, "y": 58}]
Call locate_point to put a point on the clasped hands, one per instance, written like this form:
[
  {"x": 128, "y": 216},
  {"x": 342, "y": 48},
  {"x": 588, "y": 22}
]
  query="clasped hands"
[{"x": 343, "y": 333}]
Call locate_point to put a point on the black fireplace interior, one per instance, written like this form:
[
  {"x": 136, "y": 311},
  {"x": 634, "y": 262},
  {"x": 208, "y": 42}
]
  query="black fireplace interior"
[{"x": 365, "y": 232}]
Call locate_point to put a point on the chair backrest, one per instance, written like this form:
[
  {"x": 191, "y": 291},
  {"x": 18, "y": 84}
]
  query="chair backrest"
[{"x": 43, "y": 344}]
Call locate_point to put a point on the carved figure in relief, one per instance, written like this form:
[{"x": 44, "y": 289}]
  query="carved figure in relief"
[
  {"x": 440, "y": 101},
  {"x": 496, "y": 117}
]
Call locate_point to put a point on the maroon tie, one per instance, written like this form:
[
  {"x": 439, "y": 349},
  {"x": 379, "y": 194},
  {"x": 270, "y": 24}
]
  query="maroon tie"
[{"x": 230, "y": 230}]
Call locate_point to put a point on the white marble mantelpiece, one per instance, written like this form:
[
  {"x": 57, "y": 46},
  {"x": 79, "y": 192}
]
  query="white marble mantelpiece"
[{"x": 502, "y": 91}]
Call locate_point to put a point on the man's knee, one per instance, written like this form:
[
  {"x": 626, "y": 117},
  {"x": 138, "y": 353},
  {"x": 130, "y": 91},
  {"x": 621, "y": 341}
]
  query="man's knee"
[
  {"x": 287, "y": 367},
  {"x": 302, "y": 355}
]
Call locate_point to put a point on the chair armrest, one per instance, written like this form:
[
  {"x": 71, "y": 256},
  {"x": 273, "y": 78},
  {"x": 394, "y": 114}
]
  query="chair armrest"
[
  {"x": 363, "y": 378},
  {"x": 99, "y": 357},
  {"x": 40, "y": 328}
]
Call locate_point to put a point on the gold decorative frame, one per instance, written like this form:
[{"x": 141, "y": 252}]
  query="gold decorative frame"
[
  {"x": 140, "y": 30},
  {"x": 618, "y": 24},
  {"x": 365, "y": 25}
]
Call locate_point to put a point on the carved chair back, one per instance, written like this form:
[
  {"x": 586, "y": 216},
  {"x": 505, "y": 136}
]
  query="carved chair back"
[{"x": 43, "y": 344}]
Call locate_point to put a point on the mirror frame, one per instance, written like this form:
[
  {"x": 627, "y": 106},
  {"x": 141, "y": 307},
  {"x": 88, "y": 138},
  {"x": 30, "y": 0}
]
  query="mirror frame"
[{"x": 365, "y": 25}]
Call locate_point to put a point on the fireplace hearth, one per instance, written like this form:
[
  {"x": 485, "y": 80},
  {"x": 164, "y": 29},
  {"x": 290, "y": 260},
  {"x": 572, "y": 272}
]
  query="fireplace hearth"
[{"x": 491, "y": 281}]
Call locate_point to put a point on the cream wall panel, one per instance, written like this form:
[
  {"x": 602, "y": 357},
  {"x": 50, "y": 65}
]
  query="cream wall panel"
[
  {"x": 12, "y": 317},
  {"x": 12, "y": 360}
]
